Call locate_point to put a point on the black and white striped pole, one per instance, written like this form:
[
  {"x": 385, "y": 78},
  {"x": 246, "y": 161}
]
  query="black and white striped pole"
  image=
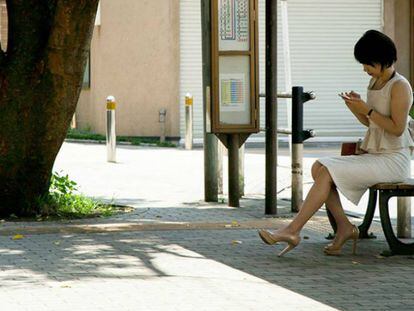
[{"x": 298, "y": 137}]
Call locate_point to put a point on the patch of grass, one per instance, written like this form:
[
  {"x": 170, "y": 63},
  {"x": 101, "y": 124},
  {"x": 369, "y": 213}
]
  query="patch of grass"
[
  {"x": 64, "y": 202},
  {"x": 136, "y": 141},
  {"x": 84, "y": 135}
]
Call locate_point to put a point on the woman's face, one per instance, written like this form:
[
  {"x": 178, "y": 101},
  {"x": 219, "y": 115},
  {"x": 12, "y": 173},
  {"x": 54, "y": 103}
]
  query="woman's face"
[{"x": 373, "y": 70}]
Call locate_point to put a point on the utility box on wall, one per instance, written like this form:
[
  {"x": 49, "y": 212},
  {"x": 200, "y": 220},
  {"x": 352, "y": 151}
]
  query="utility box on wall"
[{"x": 235, "y": 76}]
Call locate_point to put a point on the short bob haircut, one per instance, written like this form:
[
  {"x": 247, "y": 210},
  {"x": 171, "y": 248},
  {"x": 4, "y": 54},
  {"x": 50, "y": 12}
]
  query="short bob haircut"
[{"x": 375, "y": 48}]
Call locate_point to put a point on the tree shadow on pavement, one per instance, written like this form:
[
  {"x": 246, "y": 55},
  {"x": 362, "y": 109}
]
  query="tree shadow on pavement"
[{"x": 364, "y": 281}]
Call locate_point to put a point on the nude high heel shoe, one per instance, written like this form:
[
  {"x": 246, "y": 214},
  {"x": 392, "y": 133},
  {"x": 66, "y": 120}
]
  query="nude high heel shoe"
[
  {"x": 335, "y": 248},
  {"x": 273, "y": 238}
]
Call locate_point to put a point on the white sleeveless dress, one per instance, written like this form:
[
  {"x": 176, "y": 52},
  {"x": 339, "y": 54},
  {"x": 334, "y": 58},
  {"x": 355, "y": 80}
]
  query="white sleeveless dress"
[{"x": 388, "y": 156}]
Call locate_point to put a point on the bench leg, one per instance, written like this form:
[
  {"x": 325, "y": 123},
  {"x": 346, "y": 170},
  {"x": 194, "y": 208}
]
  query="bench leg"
[
  {"x": 366, "y": 223},
  {"x": 396, "y": 246},
  {"x": 332, "y": 221},
  {"x": 369, "y": 215}
]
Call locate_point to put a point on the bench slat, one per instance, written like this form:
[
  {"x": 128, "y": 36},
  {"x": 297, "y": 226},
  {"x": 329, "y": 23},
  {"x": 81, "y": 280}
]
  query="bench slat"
[{"x": 407, "y": 185}]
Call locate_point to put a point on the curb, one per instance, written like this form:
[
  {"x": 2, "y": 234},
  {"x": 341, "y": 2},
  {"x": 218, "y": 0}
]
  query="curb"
[{"x": 128, "y": 227}]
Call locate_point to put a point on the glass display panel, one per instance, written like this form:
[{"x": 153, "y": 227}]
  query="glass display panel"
[
  {"x": 234, "y": 90},
  {"x": 233, "y": 25}
]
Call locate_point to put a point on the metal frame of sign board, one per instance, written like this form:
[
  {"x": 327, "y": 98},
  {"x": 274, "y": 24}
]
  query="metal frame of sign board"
[{"x": 252, "y": 125}]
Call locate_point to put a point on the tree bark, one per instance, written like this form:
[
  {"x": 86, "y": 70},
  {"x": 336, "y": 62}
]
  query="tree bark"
[{"x": 40, "y": 80}]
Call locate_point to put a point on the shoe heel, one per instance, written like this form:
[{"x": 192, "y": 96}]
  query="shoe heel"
[
  {"x": 355, "y": 237},
  {"x": 288, "y": 248},
  {"x": 354, "y": 246}
]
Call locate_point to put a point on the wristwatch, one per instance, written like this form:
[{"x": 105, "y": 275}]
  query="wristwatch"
[{"x": 369, "y": 113}]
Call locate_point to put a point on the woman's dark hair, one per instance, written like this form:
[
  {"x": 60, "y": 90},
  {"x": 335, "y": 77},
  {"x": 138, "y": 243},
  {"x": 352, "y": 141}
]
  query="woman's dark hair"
[{"x": 375, "y": 48}]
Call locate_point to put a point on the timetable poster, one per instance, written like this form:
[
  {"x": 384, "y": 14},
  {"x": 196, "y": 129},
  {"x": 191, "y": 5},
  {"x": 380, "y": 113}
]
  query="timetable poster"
[
  {"x": 232, "y": 92},
  {"x": 233, "y": 25}
]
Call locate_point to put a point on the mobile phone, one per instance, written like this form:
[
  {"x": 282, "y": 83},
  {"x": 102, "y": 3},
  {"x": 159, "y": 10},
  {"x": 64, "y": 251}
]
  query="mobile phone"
[{"x": 343, "y": 96}]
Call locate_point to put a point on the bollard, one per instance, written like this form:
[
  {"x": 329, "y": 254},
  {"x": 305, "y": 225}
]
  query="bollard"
[
  {"x": 188, "y": 121},
  {"x": 110, "y": 129},
  {"x": 298, "y": 137},
  {"x": 161, "y": 119}
]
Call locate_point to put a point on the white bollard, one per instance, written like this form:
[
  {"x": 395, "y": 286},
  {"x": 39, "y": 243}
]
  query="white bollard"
[
  {"x": 188, "y": 121},
  {"x": 110, "y": 129}
]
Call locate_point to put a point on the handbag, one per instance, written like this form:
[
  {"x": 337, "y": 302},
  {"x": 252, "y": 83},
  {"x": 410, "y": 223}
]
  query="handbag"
[{"x": 353, "y": 148}]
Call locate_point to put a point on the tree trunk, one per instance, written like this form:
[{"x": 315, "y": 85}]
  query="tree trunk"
[{"x": 40, "y": 80}]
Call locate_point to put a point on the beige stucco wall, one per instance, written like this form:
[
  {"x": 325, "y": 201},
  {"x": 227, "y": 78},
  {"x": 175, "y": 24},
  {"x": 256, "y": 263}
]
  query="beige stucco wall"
[
  {"x": 397, "y": 24},
  {"x": 135, "y": 57}
]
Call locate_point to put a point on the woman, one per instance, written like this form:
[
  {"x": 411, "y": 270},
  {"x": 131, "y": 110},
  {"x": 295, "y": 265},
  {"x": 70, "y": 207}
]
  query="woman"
[{"x": 387, "y": 146}]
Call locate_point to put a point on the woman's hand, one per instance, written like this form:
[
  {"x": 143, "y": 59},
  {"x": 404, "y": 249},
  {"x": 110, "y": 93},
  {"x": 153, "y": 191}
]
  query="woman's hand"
[
  {"x": 353, "y": 94},
  {"x": 357, "y": 105}
]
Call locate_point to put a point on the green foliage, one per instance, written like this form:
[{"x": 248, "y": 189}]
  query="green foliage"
[
  {"x": 62, "y": 185},
  {"x": 64, "y": 201},
  {"x": 84, "y": 135},
  {"x": 87, "y": 134}
]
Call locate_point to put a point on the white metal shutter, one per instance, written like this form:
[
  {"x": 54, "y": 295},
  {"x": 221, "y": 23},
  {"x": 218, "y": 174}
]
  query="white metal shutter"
[
  {"x": 322, "y": 37},
  {"x": 191, "y": 63}
]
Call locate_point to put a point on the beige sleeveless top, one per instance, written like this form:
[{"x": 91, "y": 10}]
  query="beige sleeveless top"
[{"x": 377, "y": 140}]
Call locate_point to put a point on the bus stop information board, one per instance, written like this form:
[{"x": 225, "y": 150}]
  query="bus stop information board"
[{"x": 234, "y": 100}]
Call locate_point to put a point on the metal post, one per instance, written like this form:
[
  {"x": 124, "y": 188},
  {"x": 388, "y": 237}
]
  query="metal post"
[
  {"x": 404, "y": 217},
  {"x": 110, "y": 129},
  {"x": 241, "y": 171},
  {"x": 297, "y": 148},
  {"x": 162, "y": 119},
  {"x": 233, "y": 149},
  {"x": 297, "y": 176},
  {"x": 210, "y": 140},
  {"x": 286, "y": 63},
  {"x": 188, "y": 121},
  {"x": 271, "y": 107}
]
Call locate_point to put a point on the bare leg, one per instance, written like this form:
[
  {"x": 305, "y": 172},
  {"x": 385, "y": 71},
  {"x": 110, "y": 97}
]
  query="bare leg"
[
  {"x": 333, "y": 204},
  {"x": 317, "y": 196},
  {"x": 322, "y": 191}
]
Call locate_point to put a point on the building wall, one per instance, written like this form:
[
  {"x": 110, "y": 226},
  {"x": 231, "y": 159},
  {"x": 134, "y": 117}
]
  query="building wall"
[
  {"x": 135, "y": 57},
  {"x": 397, "y": 24}
]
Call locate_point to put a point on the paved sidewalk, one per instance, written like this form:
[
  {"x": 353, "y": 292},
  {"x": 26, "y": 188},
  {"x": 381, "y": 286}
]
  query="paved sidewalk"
[
  {"x": 197, "y": 270},
  {"x": 174, "y": 252}
]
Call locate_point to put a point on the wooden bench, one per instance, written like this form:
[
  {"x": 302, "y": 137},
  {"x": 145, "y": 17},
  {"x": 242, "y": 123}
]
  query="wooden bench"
[{"x": 384, "y": 191}]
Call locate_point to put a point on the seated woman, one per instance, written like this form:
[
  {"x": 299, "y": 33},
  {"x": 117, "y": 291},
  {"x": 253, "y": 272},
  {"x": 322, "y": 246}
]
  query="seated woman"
[{"x": 387, "y": 146}]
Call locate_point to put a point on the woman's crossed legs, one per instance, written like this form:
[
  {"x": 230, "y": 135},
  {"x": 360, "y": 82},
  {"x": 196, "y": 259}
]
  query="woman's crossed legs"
[{"x": 322, "y": 191}]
